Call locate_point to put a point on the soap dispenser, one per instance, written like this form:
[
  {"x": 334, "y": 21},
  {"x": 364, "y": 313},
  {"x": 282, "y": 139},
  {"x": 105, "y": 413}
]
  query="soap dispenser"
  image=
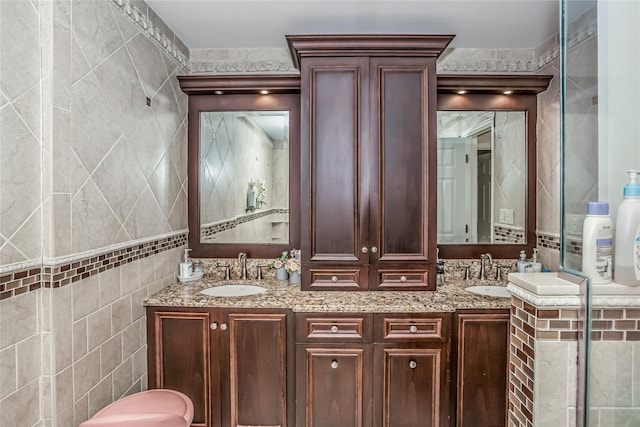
[
  {"x": 186, "y": 266},
  {"x": 522, "y": 262},
  {"x": 536, "y": 266}
]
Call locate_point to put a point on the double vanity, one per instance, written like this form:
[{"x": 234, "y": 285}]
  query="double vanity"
[
  {"x": 286, "y": 357},
  {"x": 368, "y": 338}
]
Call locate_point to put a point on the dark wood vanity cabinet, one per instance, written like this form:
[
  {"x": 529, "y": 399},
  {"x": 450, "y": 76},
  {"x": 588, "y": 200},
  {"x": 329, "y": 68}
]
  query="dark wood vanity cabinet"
[
  {"x": 372, "y": 370},
  {"x": 368, "y": 157},
  {"x": 481, "y": 353},
  {"x": 232, "y": 364}
]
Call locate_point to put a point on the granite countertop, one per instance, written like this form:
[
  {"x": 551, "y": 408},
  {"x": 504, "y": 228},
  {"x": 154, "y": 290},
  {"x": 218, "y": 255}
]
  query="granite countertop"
[{"x": 449, "y": 297}]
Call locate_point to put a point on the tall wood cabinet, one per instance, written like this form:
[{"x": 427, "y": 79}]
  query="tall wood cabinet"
[
  {"x": 368, "y": 160},
  {"x": 232, "y": 364}
]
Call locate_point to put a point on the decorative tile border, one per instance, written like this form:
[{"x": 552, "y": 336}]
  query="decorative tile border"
[
  {"x": 529, "y": 325},
  {"x": 67, "y": 272},
  {"x": 521, "y": 363},
  {"x": 615, "y": 324},
  {"x": 508, "y": 234},
  {"x": 210, "y": 230},
  {"x": 548, "y": 240}
]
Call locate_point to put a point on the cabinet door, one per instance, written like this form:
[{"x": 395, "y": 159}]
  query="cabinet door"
[
  {"x": 334, "y": 209},
  {"x": 258, "y": 369},
  {"x": 412, "y": 386},
  {"x": 482, "y": 341},
  {"x": 334, "y": 386},
  {"x": 403, "y": 145},
  {"x": 179, "y": 351}
]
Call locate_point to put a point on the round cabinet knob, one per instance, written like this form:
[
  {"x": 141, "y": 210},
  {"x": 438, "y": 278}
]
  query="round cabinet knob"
[
  {"x": 413, "y": 364},
  {"x": 374, "y": 249},
  {"x": 403, "y": 279},
  {"x": 213, "y": 326},
  {"x": 334, "y": 364},
  {"x": 223, "y": 326},
  {"x": 334, "y": 329},
  {"x": 413, "y": 329},
  {"x": 364, "y": 249},
  {"x": 334, "y": 279}
]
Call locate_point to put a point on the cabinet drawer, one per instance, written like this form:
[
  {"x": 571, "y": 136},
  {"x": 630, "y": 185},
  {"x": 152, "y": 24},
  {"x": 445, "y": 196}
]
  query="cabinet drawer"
[
  {"x": 391, "y": 279},
  {"x": 335, "y": 279},
  {"x": 412, "y": 328},
  {"x": 314, "y": 327}
]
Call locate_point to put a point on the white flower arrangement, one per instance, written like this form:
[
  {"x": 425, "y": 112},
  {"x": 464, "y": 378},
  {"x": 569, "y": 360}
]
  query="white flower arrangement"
[{"x": 258, "y": 186}]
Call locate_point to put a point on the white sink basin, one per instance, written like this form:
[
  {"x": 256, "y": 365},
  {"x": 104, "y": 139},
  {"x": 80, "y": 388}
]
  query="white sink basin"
[
  {"x": 490, "y": 291},
  {"x": 233, "y": 290}
]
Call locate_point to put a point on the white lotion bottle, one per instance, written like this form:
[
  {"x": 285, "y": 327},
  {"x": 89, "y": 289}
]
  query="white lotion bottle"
[
  {"x": 186, "y": 266},
  {"x": 627, "y": 249},
  {"x": 597, "y": 243}
]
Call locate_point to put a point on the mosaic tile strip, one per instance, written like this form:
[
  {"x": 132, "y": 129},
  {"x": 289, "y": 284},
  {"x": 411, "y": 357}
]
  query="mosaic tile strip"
[
  {"x": 507, "y": 234},
  {"x": 521, "y": 364},
  {"x": 19, "y": 282},
  {"x": 549, "y": 241},
  {"x": 210, "y": 230},
  {"x": 615, "y": 324}
]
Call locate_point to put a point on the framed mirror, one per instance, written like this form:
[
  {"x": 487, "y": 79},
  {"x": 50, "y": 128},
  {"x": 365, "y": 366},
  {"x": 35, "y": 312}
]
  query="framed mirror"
[
  {"x": 243, "y": 164},
  {"x": 487, "y": 164}
]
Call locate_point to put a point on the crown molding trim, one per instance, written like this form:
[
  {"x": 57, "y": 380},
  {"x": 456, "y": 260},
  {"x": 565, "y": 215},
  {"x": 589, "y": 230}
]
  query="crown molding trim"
[{"x": 154, "y": 32}]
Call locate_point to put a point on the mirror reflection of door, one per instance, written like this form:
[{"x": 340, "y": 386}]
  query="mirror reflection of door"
[
  {"x": 481, "y": 177},
  {"x": 457, "y": 190}
]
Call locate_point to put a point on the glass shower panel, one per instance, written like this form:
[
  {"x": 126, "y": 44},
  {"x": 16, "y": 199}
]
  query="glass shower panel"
[{"x": 600, "y": 106}]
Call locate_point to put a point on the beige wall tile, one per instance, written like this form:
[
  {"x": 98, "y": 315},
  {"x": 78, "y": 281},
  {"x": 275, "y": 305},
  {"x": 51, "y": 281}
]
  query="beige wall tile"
[
  {"x": 111, "y": 354},
  {"x": 121, "y": 314},
  {"x": 80, "y": 339},
  {"x": 64, "y": 398},
  {"x": 550, "y": 386},
  {"x": 101, "y": 395},
  {"x": 86, "y": 373},
  {"x": 109, "y": 286},
  {"x": 29, "y": 360},
  {"x": 21, "y": 408},
  {"x": 86, "y": 297},
  {"x": 99, "y": 327},
  {"x": 21, "y": 313},
  {"x": 122, "y": 378},
  {"x": 8, "y": 370},
  {"x": 80, "y": 410}
]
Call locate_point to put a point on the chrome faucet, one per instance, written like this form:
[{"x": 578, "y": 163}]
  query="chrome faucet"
[
  {"x": 242, "y": 264},
  {"x": 482, "y": 275}
]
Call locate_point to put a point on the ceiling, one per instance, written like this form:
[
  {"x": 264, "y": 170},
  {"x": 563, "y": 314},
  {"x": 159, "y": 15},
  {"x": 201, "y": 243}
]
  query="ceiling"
[{"x": 264, "y": 23}]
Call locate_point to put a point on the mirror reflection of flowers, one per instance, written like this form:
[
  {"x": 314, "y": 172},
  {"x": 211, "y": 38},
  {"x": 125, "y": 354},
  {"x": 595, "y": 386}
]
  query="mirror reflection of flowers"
[
  {"x": 280, "y": 261},
  {"x": 292, "y": 265},
  {"x": 258, "y": 186}
]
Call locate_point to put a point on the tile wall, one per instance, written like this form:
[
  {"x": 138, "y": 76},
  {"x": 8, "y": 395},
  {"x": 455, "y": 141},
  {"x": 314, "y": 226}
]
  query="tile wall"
[{"x": 92, "y": 200}]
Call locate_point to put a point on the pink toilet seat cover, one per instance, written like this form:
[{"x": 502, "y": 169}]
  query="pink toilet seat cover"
[{"x": 162, "y": 408}]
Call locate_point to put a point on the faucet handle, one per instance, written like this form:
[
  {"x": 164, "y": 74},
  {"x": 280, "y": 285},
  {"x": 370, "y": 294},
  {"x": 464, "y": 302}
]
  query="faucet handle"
[
  {"x": 227, "y": 270},
  {"x": 259, "y": 272},
  {"x": 467, "y": 272}
]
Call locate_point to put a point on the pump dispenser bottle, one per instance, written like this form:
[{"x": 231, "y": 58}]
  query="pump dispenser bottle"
[
  {"x": 186, "y": 266},
  {"x": 626, "y": 269}
]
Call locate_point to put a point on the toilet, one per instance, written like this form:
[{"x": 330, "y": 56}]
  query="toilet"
[{"x": 151, "y": 408}]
